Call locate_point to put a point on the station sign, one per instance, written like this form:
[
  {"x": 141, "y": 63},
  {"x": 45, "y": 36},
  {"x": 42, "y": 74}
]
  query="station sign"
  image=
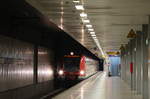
[{"x": 113, "y": 53}]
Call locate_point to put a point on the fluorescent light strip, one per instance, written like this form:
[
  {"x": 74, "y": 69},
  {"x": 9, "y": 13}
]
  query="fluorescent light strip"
[
  {"x": 83, "y": 15},
  {"x": 76, "y": 1},
  {"x": 97, "y": 42},
  {"x": 79, "y": 7},
  {"x": 98, "y": 45},
  {"x": 92, "y": 33},
  {"x": 89, "y": 26},
  {"x": 100, "y": 49},
  {"x": 86, "y": 21},
  {"x": 91, "y": 29}
]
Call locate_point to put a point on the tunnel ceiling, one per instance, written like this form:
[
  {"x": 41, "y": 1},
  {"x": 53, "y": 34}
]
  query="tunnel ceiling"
[{"x": 111, "y": 19}]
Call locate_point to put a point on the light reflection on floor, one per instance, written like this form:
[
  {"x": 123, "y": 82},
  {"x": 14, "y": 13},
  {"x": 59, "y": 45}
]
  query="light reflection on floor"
[{"x": 99, "y": 87}]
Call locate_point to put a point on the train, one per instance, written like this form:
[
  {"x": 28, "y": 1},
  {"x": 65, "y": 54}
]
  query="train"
[{"x": 77, "y": 67}]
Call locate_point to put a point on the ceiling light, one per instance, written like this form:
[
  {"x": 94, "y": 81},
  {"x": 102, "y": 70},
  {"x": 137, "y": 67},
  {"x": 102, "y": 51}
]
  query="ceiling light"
[
  {"x": 89, "y": 26},
  {"x": 76, "y": 1},
  {"x": 92, "y": 33},
  {"x": 83, "y": 15},
  {"x": 91, "y": 29},
  {"x": 86, "y": 21},
  {"x": 79, "y": 7}
]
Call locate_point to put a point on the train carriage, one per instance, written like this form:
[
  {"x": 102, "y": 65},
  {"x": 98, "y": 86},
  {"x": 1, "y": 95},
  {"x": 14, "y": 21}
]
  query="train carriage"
[{"x": 77, "y": 67}]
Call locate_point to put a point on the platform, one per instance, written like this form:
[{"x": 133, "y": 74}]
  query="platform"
[{"x": 99, "y": 87}]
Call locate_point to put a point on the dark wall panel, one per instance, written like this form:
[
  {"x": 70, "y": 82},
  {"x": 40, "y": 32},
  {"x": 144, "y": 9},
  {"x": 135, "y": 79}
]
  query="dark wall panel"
[
  {"x": 16, "y": 63},
  {"x": 45, "y": 64}
]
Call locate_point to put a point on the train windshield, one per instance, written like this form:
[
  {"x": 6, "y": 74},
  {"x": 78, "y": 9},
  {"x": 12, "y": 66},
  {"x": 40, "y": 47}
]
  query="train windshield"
[{"x": 72, "y": 64}]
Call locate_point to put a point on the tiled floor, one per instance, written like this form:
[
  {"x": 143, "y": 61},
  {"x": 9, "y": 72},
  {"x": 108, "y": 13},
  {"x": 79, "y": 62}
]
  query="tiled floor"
[{"x": 99, "y": 87}]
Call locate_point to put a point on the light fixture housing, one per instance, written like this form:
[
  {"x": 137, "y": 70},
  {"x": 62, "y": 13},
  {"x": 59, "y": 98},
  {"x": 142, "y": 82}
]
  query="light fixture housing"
[
  {"x": 79, "y": 7},
  {"x": 76, "y": 1}
]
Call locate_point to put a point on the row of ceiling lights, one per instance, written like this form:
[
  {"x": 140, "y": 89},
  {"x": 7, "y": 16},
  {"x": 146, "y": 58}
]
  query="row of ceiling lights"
[{"x": 86, "y": 22}]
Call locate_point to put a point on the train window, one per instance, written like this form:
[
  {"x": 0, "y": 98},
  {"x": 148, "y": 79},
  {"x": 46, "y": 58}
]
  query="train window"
[{"x": 71, "y": 64}]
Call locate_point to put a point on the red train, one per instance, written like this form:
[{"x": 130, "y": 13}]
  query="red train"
[{"x": 77, "y": 67}]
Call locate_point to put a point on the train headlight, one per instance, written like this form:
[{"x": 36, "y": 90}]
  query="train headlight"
[
  {"x": 61, "y": 72},
  {"x": 82, "y": 72}
]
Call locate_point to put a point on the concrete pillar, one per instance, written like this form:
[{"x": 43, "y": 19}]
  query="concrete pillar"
[
  {"x": 138, "y": 61},
  {"x": 142, "y": 62},
  {"x": 145, "y": 61},
  {"x": 128, "y": 64},
  {"x": 134, "y": 63},
  {"x": 35, "y": 77},
  {"x": 148, "y": 57},
  {"x": 123, "y": 64},
  {"x": 131, "y": 61}
]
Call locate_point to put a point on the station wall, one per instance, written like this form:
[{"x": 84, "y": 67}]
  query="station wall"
[
  {"x": 18, "y": 73},
  {"x": 16, "y": 64},
  {"x": 135, "y": 68}
]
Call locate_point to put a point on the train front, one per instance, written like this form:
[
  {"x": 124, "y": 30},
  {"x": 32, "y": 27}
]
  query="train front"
[{"x": 71, "y": 69}]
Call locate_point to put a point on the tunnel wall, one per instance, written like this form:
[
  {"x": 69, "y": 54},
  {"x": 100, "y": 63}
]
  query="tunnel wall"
[
  {"x": 17, "y": 73},
  {"x": 16, "y": 67}
]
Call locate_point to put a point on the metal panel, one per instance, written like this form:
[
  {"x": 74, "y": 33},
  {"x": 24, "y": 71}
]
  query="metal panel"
[
  {"x": 45, "y": 64},
  {"x": 16, "y": 63}
]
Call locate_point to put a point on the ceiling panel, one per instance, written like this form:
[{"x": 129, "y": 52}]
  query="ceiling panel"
[{"x": 111, "y": 19}]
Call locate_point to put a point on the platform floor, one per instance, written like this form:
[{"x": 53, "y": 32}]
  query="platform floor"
[{"x": 99, "y": 87}]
